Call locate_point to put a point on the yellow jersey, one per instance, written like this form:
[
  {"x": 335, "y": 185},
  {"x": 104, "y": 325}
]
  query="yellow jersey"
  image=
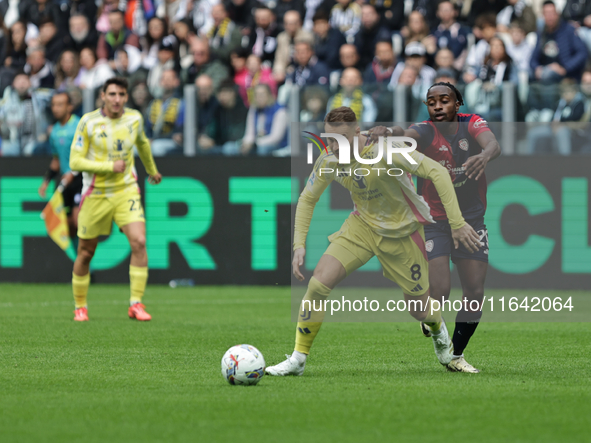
[
  {"x": 99, "y": 142},
  {"x": 383, "y": 195}
]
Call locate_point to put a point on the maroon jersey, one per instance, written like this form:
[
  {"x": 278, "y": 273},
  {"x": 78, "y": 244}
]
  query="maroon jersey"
[{"x": 452, "y": 151}]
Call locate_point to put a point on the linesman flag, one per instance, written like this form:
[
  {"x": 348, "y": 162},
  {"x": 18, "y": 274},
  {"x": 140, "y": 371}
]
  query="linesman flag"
[{"x": 56, "y": 223}]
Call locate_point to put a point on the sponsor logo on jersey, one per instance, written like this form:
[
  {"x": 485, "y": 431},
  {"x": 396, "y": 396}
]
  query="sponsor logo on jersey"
[
  {"x": 444, "y": 148},
  {"x": 463, "y": 144},
  {"x": 480, "y": 122},
  {"x": 429, "y": 245}
]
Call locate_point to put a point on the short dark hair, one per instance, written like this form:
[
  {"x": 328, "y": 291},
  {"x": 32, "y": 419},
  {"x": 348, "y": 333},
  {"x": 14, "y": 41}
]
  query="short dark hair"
[
  {"x": 118, "y": 81},
  {"x": 339, "y": 116},
  {"x": 45, "y": 20},
  {"x": 484, "y": 20},
  {"x": 321, "y": 14},
  {"x": 117, "y": 11},
  {"x": 227, "y": 84},
  {"x": 548, "y": 2},
  {"x": 63, "y": 93}
]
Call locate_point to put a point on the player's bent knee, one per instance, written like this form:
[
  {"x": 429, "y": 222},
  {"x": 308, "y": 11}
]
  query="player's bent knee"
[
  {"x": 138, "y": 243},
  {"x": 86, "y": 253}
]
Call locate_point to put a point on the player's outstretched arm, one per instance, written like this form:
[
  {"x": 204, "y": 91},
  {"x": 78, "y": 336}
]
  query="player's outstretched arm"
[
  {"x": 461, "y": 231},
  {"x": 476, "y": 164}
]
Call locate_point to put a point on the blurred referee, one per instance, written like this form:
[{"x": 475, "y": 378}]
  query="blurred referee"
[{"x": 60, "y": 141}]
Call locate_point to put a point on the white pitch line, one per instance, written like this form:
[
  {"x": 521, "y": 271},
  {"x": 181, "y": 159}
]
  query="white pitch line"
[{"x": 151, "y": 302}]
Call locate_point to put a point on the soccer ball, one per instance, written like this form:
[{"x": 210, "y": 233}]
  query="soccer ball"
[{"x": 243, "y": 365}]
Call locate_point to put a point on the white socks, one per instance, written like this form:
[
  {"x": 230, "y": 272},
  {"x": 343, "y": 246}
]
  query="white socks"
[{"x": 300, "y": 357}]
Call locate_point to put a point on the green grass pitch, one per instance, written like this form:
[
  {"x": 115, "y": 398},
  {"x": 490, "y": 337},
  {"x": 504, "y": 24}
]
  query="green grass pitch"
[{"x": 117, "y": 380}]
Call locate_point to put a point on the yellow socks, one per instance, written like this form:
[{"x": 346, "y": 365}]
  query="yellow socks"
[
  {"x": 433, "y": 319},
  {"x": 138, "y": 277},
  {"x": 80, "y": 284},
  {"x": 311, "y": 315}
]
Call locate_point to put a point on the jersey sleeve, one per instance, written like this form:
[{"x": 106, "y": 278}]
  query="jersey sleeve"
[
  {"x": 426, "y": 134},
  {"x": 477, "y": 125},
  {"x": 144, "y": 150},
  {"x": 431, "y": 170},
  {"x": 323, "y": 174},
  {"x": 79, "y": 150}
]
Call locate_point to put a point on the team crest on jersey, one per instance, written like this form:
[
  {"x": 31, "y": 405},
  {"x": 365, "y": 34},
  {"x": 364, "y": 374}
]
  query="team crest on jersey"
[
  {"x": 444, "y": 148},
  {"x": 103, "y": 127},
  {"x": 429, "y": 245},
  {"x": 463, "y": 144}
]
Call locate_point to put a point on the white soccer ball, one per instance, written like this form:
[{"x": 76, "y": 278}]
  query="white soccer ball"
[{"x": 243, "y": 365}]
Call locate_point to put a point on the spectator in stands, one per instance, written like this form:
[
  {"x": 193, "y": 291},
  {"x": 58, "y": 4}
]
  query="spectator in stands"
[
  {"x": 51, "y": 39},
  {"x": 175, "y": 10},
  {"x": 9, "y": 11},
  {"x": 349, "y": 57},
  {"x": 39, "y": 69},
  {"x": 16, "y": 47},
  {"x": 266, "y": 124},
  {"x": 307, "y": 70},
  {"x": 117, "y": 36},
  {"x": 391, "y": 12},
  {"x": 571, "y": 108},
  {"x": 292, "y": 23},
  {"x": 67, "y": 71},
  {"x": 231, "y": 119},
  {"x": 36, "y": 11},
  {"x": 128, "y": 65},
  {"x": 382, "y": 67},
  {"x": 282, "y": 7},
  {"x": 102, "y": 22},
  {"x": 224, "y": 36},
  {"x": 417, "y": 30},
  {"x": 559, "y": 53},
  {"x": 255, "y": 74},
  {"x": 314, "y": 103},
  {"x": 151, "y": 42},
  {"x": 87, "y": 8},
  {"x": 207, "y": 109},
  {"x": 326, "y": 40},
  {"x": 164, "y": 117},
  {"x": 140, "y": 98},
  {"x": 165, "y": 62},
  {"x": 484, "y": 95},
  {"x": 578, "y": 14},
  {"x": 24, "y": 118},
  {"x": 517, "y": 11},
  {"x": 369, "y": 34},
  {"x": 202, "y": 64},
  {"x": 81, "y": 34},
  {"x": 262, "y": 40},
  {"x": 240, "y": 11},
  {"x": 137, "y": 14},
  {"x": 351, "y": 95},
  {"x": 346, "y": 17},
  {"x": 486, "y": 27},
  {"x": 200, "y": 14},
  {"x": 481, "y": 7},
  {"x": 519, "y": 48},
  {"x": 444, "y": 58},
  {"x": 416, "y": 56},
  {"x": 183, "y": 31},
  {"x": 450, "y": 34},
  {"x": 238, "y": 62},
  {"x": 94, "y": 72}
]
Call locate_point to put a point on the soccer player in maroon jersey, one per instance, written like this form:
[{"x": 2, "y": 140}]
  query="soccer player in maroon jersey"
[{"x": 464, "y": 144}]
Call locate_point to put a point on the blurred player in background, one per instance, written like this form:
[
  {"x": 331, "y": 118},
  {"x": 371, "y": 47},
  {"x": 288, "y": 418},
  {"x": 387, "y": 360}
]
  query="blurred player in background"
[
  {"x": 464, "y": 144},
  {"x": 60, "y": 141},
  {"x": 103, "y": 151},
  {"x": 388, "y": 225}
]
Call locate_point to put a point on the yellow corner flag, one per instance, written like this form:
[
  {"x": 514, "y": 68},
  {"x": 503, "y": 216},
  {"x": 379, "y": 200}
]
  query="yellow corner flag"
[{"x": 55, "y": 220}]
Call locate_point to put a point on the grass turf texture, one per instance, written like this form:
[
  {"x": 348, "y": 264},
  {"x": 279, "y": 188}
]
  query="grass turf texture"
[{"x": 113, "y": 379}]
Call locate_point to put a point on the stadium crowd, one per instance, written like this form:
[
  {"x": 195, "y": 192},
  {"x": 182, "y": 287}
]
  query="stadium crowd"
[{"x": 244, "y": 58}]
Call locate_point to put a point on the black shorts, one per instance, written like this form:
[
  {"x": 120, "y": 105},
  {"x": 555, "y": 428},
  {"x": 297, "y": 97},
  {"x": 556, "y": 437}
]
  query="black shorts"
[
  {"x": 439, "y": 241},
  {"x": 72, "y": 194}
]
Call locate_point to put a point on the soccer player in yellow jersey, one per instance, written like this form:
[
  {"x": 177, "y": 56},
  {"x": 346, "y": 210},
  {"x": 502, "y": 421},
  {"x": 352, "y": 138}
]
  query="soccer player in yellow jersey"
[
  {"x": 102, "y": 150},
  {"x": 388, "y": 225}
]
